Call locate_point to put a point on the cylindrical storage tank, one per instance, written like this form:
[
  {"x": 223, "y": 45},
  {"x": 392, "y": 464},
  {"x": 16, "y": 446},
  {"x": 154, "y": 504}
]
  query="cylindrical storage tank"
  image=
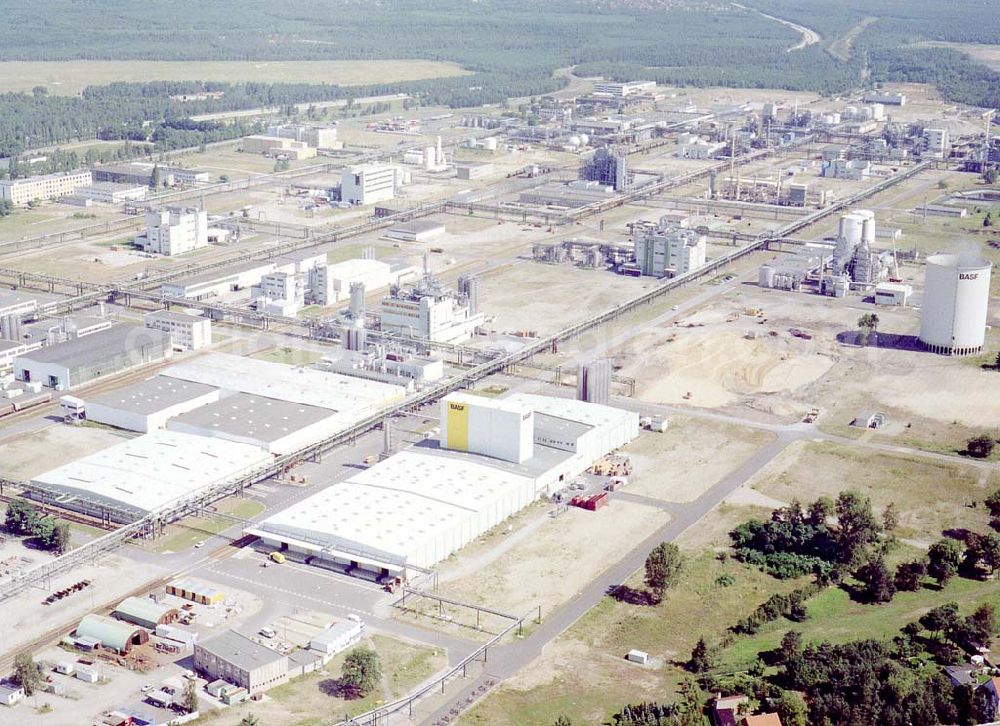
[
  {"x": 851, "y": 227},
  {"x": 765, "y": 277},
  {"x": 954, "y": 308}
]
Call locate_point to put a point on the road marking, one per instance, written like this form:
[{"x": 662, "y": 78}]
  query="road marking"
[{"x": 258, "y": 584}]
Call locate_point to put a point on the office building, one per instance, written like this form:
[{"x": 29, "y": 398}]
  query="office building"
[
  {"x": 41, "y": 188},
  {"x": 369, "y": 183},
  {"x": 318, "y": 137},
  {"x": 242, "y": 661},
  {"x": 174, "y": 231},
  {"x": 110, "y": 193},
  {"x": 617, "y": 89},
  {"x": 187, "y": 332},
  {"x": 667, "y": 249}
]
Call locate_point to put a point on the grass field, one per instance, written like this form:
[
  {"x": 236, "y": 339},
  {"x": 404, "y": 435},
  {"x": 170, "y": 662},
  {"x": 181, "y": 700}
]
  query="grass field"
[
  {"x": 194, "y": 529},
  {"x": 930, "y": 495},
  {"x": 834, "y": 617},
  {"x": 584, "y": 674},
  {"x": 67, "y": 78}
]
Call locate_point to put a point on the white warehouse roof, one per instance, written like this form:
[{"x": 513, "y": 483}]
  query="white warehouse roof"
[
  {"x": 411, "y": 509},
  {"x": 419, "y": 506},
  {"x": 354, "y": 397},
  {"x": 150, "y": 472}
]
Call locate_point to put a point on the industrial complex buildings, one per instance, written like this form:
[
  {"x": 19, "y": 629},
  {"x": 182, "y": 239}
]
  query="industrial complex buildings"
[{"x": 417, "y": 507}]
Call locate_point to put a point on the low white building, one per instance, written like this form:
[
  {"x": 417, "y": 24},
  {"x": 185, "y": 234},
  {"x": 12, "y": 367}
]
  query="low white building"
[
  {"x": 187, "y": 332},
  {"x": 617, "y": 89},
  {"x": 174, "y": 231},
  {"x": 112, "y": 193},
  {"x": 421, "y": 230},
  {"x": 148, "y": 405},
  {"x": 353, "y": 399},
  {"x": 892, "y": 293},
  {"x": 338, "y": 637},
  {"x": 80, "y": 360},
  {"x": 218, "y": 283},
  {"x": 148, "y": 473}
]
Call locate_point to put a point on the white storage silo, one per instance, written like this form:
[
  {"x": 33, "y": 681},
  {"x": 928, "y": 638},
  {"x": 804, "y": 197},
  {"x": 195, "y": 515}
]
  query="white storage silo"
[
  {"x": 956, "y": 298},
  {"x": 765, "y": 277}
]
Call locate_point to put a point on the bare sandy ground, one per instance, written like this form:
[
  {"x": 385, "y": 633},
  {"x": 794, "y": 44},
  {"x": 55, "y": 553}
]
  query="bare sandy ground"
[
  {"x": 716, "y": 366},
  {"x": 562, "y": 555},
  {"x": 682, "y": 463}
]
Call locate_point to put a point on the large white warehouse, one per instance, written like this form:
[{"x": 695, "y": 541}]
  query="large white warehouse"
[
  {"x": 956, "y": 299},
  {"x": 417, "y": 507},
  {"x": 148, "y": 473},
  {"x": 352, "y": 398}
]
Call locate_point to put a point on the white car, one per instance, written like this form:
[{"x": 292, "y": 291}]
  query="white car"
[
  {"x": 146, "y": 688},
  {"x": 676, "y": 307},
  {"x": 199, "y": 545}
]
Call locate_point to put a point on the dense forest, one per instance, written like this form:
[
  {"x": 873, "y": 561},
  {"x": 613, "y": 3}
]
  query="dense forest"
[{"x": 511, "y": 47}]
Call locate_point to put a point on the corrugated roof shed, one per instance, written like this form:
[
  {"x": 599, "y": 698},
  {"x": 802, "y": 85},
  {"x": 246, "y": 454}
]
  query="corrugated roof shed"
[
  {"x": 143, "y": 611},
  {"x": 109, "y": 632}
]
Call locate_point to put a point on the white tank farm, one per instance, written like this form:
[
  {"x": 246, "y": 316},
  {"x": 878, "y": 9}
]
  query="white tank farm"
[{"x": 956, "y": 298}]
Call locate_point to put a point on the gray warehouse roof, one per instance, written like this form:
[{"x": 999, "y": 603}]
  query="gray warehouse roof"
[
  {"x": 563, "y": 426},
  {"x": 153, "y": 395},
  {"x": 257, "y": 417},
  {"x": 418, "y": 226},
  {"x": 98, "y": 346},
  {"x": 240, "y": 651}
]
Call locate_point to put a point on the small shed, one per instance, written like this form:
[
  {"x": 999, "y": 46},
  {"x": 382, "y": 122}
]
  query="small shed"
[
  {"x": 160, "y": 698},
  {"x": 638, "y": 656},
  {"x": 337, "y": 637},
  {"x": 10, "y": 694},
  {"x": 190, "y": 588},
  {"x": 870, "y": 420},
  {"x": 144, "y": 612},
  {"x": 65, "y": 667},
  {"x": 111, "y": 633},
  {"x": 88, "y": 674}
]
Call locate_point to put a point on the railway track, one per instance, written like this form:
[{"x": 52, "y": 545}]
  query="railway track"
[{"x": 66, "y": 514}]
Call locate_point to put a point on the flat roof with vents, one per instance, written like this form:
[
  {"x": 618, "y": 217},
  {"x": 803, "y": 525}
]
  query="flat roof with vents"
[
  {"x": 280, "y": 426},
  {"x": 355, "y": 397},
  {"x": 150, "y": 472},
  {"x": 152, "y": 395}
]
